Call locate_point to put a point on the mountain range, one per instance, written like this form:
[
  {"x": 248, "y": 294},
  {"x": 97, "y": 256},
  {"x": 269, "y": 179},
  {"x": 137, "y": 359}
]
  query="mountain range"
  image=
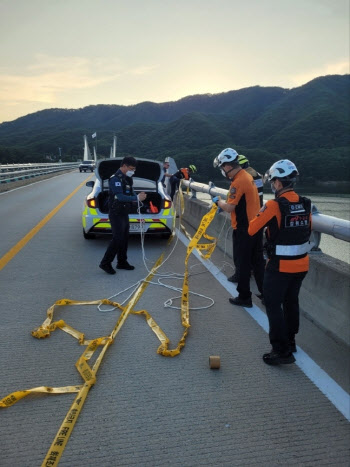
[{"x": 308, "y": 124}]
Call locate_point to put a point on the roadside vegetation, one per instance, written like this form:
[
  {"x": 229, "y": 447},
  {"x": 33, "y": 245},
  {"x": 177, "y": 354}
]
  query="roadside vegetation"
[{"x": 308, "y": 124}]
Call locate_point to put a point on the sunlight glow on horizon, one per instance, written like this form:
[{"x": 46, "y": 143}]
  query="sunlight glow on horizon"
[{"x": 63, "y": 57}]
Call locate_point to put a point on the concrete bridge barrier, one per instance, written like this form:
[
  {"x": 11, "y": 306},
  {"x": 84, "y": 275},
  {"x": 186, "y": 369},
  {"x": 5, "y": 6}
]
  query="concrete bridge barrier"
[{"x": 325, "y": 294}]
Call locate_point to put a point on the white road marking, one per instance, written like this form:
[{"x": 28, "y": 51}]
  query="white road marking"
[{"x": 330, "y": 388}]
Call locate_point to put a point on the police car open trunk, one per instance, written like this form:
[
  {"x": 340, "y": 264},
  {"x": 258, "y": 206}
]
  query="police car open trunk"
[{"x": 147, "y": 175}]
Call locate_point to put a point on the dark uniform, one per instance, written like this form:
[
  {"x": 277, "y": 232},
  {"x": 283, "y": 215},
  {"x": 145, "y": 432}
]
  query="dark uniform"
[
  {"x": 258, "y": 180},
  {"x": 288, "y": 221},
  {"x": 248, "y": 250},
  {"x": 163, "y": 178},
  {"x": 175, "y": 180},
  {"x": 121, "y": 197},
  {"x": 165, "y": 171}
]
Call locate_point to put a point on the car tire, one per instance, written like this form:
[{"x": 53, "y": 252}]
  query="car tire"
[
  {"x": 166, "y": 235},
  {"x": 88, "y": 236}
]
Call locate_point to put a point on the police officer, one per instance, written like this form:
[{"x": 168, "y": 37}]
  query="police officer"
[
  {"x": 179, "y": 175},
  {"x": 288, "y": 222},
  {"x": 121, "y": 197},
  {"x": 258, "y": 180},
  {"x": 243, "y": 205},
  {"x": 166, "y": 166}
]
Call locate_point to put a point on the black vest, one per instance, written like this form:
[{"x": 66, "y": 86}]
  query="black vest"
[
  {"x": 290, "y": 241},
  {"x": 121, "y": 207}
]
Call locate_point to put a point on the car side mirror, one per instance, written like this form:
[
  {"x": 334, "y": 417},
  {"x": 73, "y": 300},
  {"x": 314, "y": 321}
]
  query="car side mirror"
[{"x": 90, "y": 183}]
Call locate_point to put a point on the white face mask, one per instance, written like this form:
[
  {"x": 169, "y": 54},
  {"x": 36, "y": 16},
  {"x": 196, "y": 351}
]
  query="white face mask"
[
  {"x": 130, "y": 173},
  {"x": 223, "y": 173},
  {"x": 273, "y": 189}
]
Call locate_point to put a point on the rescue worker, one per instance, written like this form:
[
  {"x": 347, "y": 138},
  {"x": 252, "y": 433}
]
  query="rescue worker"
[
  {"x": 121, "y": 197},
  {"x": 258, "y": 180},
  {"x": 179, "y": 175},
  {"x": 288, "y": 222},
  {"x": 257, "y": 177},
  {"x": 243, "y": 205},
  {"x": 165, "y": 171}
]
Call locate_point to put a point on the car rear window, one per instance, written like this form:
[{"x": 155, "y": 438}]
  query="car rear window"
[{"x": 143, "y": 184}]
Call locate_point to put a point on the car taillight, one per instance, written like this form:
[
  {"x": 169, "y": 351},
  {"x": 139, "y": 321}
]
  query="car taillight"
[
  {"x": 91, "y": 203},
  {"x": 167, "y": 204}
]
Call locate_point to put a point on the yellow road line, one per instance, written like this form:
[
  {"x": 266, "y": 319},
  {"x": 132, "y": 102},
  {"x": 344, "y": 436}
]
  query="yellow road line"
[{"x": 22, "y": 243}]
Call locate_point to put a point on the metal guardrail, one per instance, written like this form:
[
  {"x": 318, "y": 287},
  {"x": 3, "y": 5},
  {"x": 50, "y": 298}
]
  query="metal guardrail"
[
  {"x": 14, "y": 172},
  {"x": 321, "y": 223}
]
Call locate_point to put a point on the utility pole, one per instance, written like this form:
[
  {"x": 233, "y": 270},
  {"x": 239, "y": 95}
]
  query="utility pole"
[{"x": 60, "y": 153}]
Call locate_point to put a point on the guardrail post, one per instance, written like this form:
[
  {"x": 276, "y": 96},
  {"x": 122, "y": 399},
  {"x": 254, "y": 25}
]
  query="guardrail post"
[{"x": 193, "y": 192}]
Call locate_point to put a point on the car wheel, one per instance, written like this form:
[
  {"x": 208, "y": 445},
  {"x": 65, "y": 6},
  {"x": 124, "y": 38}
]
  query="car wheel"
[
  {"x": 80, "y": 170},
  {"x": 166, "y": 235},
  {"x": 88, "y": 236}
]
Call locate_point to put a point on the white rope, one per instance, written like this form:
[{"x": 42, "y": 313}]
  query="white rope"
[{"x": 167, "y": 275}]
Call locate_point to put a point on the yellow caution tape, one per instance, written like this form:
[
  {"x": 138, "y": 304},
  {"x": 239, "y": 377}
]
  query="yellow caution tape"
[
  {"x": 61, "y": 439},
  {"x": 87, "y": 373},
  {"x": 14, "y": 397},
  {"x": 208, "y": 249}
]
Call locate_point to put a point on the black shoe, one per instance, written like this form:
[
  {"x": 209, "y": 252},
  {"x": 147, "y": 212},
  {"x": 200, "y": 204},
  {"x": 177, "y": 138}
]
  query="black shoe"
[
  {"x": 107, "y": 268},
  {"x": 278, "y": 358},
  {"x": 292, "y": 346},
  {"x": 125, "y": 265},
  {"x": 246, "y": 302},
  {"x": 233, "y": 278},
  {"x": 261, "y": 297}
]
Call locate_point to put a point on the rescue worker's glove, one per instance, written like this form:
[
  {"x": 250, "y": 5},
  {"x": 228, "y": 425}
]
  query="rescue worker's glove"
[{"x": 215, "y": 200}]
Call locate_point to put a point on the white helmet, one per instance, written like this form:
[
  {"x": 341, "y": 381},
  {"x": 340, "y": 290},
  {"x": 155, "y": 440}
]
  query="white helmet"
[
  {"x": 283, "y": 169},
  {"x": 227, "y": 155}
]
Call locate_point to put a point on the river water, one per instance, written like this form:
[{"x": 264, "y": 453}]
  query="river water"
[{"x": 331, "y": 205}]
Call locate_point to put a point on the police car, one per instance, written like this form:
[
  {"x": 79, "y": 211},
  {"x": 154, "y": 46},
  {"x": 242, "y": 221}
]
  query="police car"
[{"x": 157, "y": 214}]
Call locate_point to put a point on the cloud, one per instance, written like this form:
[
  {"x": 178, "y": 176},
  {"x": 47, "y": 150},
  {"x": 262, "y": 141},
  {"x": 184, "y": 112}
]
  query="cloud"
[
  {"x": 143, "y": 70},
  {"x": 45, "y": 79},
  {"x": 338, "y": 68}
]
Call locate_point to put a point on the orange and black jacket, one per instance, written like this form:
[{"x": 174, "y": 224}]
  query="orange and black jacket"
[
  {"x": 182, "y": 173},
  {"x": 288, "y": 222},
  {"x": 244, "y": 195}
]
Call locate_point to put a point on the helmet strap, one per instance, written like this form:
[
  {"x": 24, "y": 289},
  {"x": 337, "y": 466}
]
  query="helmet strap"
[{"x": 236, "y": 169}]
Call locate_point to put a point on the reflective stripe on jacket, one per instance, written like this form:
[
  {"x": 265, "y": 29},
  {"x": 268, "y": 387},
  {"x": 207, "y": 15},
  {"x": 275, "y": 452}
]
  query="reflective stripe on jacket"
[{"x": 288, "y": 221}]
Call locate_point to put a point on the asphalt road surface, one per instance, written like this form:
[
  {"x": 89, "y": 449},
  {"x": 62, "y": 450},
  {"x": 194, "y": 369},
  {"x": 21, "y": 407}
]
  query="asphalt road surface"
[{"x": 145, "y": 409}]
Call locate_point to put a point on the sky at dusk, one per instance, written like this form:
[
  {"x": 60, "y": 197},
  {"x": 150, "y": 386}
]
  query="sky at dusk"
[{"x": 74, "y": 53}]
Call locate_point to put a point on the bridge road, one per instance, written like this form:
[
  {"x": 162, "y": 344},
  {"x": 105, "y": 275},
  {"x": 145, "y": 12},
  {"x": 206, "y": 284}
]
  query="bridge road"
[{"x": 145, "y": 409}]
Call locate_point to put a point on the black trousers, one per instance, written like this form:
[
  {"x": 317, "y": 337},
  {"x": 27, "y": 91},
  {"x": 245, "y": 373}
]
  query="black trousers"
[
  {"x": 174, "y": 185},
  {"x": 281, "y": 294},
  {"x": 248, "y": 254},
  {"x": 118, "y": 246}
]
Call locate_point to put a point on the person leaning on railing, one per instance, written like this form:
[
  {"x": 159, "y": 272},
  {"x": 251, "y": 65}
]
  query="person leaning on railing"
[
  {"x": 179, "y": 175},
  {"x": 258, "y": 180},
  {"x": 288, "y": 222},
  {"x": 243, "y": 205}
]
